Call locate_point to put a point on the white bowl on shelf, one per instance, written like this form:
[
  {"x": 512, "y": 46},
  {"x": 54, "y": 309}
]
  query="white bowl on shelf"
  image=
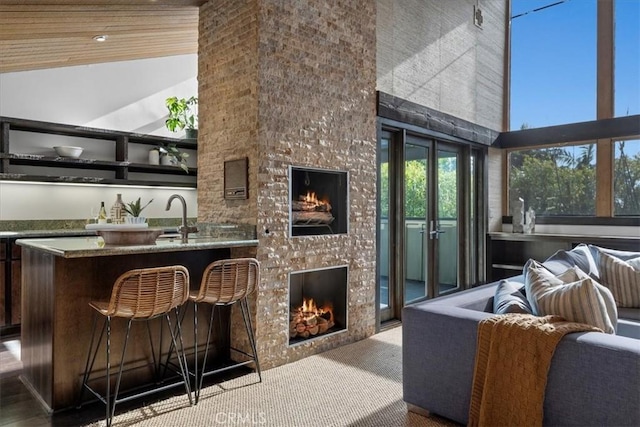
[{"x": 68, "y": 151}]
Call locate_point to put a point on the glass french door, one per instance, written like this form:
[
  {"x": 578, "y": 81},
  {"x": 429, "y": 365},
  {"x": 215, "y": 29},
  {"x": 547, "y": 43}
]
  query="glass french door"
[
  {"x": 431, "y": 213},
  {"x": 422, "y": 234}
]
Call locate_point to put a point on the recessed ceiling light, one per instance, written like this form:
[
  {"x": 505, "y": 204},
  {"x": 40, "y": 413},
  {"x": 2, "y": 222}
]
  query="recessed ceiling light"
[{"x": 100, "y": 38}]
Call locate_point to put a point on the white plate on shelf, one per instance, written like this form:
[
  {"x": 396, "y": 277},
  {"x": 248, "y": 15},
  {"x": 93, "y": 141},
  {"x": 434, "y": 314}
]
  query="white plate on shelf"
[{"x": 102, "y": 227}]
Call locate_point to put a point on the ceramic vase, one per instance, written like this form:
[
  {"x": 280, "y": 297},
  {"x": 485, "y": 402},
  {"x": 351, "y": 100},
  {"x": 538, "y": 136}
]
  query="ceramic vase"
[{"x": 154, "y": 157}]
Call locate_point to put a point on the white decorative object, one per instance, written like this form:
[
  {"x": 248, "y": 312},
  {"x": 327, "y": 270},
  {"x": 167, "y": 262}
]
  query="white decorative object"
[
  {"x": 117, "y": 210},
  {"x": 154, "y": 157},
  {"x": 68, "y": 151},
  {"x": 517, "y": 213},
  {"x": 135, "y": 219},
  {"x": 530, "y": 224}
]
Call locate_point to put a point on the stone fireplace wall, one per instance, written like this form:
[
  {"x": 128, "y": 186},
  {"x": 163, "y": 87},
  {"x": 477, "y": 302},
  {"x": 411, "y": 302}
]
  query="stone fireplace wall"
[{"x": 291, "y": 83}]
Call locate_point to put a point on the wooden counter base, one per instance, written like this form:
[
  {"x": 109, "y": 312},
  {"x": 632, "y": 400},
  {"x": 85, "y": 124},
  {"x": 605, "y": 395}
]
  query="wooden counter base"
[{"x": 57, "y": 320}]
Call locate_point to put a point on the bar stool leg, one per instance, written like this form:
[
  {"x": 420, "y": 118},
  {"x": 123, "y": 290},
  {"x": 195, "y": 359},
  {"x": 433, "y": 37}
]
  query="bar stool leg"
[
  {"x": 117, "y": 389},
  {"x": 252, "y": 340},
  {"x": 196, "y": 393},
  {"x": 88, "y": 367},
  {"x": 182, "y": 358},
  {"x": 206, "y": 354},
  {"x": 179, "y": 321},
  {"x": 107, "y": 400}
]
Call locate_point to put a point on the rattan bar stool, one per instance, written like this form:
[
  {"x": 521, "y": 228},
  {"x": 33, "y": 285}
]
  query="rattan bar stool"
[
  {"x": 224, "y": 283},
  {"x": 141, "y": 295}
]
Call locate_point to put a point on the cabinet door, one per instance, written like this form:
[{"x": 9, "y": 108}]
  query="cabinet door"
[
  {"x": 16, "y": 294},
  {"x": 2, "y": 291}
]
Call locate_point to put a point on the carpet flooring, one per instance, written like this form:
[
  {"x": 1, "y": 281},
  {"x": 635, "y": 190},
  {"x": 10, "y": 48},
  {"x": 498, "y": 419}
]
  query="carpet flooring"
[{"x": 355, "y": 385}]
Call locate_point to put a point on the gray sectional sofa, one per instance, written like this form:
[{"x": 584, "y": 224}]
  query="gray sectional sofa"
[{"x": 594, "y": 379}]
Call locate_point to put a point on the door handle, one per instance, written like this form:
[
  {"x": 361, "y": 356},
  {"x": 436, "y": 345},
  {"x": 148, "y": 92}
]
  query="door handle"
[{"x": 434, "y": 231}]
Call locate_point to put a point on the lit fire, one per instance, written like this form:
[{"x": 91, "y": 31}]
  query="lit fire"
[
  {"x": 309, "y": 309},
  {"x": 312, "y": 198},
  {"x": 310, "y": 320},
  {"x": 311, "y": 202}
]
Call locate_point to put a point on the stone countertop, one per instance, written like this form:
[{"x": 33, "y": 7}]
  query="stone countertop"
[
  {"x": 45, "y": 233},
  {"x": 93, "y": 246}
]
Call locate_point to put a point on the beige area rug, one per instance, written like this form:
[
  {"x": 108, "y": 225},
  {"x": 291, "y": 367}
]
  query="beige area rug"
[{"x": 355, "y": 385}]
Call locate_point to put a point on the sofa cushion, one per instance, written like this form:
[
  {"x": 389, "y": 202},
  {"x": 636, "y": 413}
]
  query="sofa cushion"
[
  {"x": 510, "y": 298},
  {"x": 622, "y": 277},
  {"x": 572, "y": 295},
  {"x": 623, "y": 255},
  {"x": 580, "y": 256},
  {"x": 628, "y": 313}
]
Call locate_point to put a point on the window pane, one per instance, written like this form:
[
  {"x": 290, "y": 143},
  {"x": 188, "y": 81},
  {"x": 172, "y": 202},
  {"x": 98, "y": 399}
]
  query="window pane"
[
  {"x": 553, "y": 63},
  {"x": 556, "y": 180},
  {"x": 627, "y": 57},
  {"x": 415, "y": 177},
  {"x": 447, "y": 185},
  {"x": 384, "y": 256},
  {"x": 626, "y": 174}
]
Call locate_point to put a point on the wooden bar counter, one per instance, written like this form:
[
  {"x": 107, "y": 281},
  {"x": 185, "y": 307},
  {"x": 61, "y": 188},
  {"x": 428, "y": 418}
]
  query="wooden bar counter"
[{"x": 60, "y": 276}]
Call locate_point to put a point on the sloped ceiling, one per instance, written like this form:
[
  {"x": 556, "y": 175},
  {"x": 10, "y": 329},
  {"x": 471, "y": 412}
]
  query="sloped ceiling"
[{"x": 38, "y": 34}]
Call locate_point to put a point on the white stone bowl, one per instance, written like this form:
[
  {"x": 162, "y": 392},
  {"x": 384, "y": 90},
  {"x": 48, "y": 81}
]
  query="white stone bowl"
[
  {"x": 68, "y": 151},
  {"x": 135, "y": 219}
]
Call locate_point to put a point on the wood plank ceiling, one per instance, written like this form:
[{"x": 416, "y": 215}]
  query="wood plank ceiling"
[{"x": 37, "y": 34}]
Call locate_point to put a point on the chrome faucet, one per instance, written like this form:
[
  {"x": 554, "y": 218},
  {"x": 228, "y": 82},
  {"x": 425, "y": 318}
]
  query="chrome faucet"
[{"x": 184, "y": 229}]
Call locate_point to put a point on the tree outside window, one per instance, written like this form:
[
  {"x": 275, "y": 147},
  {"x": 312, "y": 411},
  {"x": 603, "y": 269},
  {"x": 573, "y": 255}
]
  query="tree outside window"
[
  {"x": 626, "y": 178},
  {"x": 555, "y": 181}
]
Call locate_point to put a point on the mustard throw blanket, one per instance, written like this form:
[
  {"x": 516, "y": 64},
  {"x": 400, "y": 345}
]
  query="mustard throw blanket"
[{"x": 512, "y": 361}]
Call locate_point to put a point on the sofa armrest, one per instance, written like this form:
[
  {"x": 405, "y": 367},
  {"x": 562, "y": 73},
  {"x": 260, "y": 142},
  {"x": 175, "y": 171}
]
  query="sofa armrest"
[
  {"x": 479, "y": 298},
  {"x": 438, "y": 353},
  {"x": 594, "y": 379}
]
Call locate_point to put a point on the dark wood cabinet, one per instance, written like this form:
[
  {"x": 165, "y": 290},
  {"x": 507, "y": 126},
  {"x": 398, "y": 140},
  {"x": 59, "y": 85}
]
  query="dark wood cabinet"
[
  {"x": 10, "y": 286},
  {"x": 118, "y": 169},
  {"x": 11, "y": 283},
  {"x": 16, "y": 287},
  {"x": 3, "y": 285},
  {"x": 508, "y": 252}
]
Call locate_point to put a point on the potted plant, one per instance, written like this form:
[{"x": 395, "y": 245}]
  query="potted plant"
[
  {"x": 134, "y": 209},
  {"x": 171, "y": 154},
  {"x": 183, "y": 114}
]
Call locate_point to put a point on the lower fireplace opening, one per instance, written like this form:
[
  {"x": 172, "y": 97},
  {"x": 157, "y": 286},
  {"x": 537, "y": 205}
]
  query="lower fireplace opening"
[{"x": 317, "y": 303}]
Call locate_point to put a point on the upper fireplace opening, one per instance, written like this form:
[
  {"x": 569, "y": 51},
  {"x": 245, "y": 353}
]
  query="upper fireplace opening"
[{"x": 318, "y": 201}]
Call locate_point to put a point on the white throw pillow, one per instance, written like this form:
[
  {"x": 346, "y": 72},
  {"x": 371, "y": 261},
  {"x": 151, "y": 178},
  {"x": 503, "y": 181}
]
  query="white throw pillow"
[
  {"x": 622, "y": 278},
  {"x": 572, "y": 295}
]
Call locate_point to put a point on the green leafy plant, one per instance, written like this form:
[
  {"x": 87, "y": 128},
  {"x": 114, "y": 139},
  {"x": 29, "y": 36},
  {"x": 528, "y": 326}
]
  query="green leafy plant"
[
  {"x": 172, "y": 150},
  {"x": 183, "y": 113},
  {"x": 135, "y": 208}
]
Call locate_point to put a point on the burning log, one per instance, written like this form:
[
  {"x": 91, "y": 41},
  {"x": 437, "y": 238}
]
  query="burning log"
[
  {"x": 309, "y": 218},
  {"x": 309, "y": 320},
  {"x": 303, "y": 206},
  {"x": 309, "y": 210}
]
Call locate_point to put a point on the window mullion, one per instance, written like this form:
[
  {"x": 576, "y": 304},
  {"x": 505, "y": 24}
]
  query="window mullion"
[
  {"x": 604, "y": 178},
  {"x": 605, "y": 61}
]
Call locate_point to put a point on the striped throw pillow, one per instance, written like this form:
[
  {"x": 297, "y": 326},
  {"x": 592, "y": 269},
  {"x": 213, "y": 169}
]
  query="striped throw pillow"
[
  {"x": 622, "y": 277},
  {"x": 568, "y": 295}
]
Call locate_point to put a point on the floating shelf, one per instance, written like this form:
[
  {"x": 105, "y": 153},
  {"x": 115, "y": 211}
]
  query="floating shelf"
[{"x": 120, "y": 166}]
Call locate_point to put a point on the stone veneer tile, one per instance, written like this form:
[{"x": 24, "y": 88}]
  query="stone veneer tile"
[{"x": 291, "y": 83}]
